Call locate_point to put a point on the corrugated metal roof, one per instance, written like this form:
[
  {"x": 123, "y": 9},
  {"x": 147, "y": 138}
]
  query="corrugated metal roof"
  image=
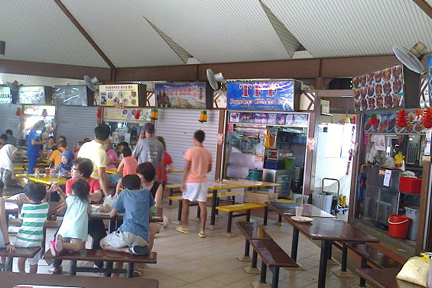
[
  {"x": 29, "y": 80},
  {"x": 216, "y": 31},
  {"x": 122, "y": 33},
  {"x": 39, "y": 31},
  {"x": 332, "y": 28}
]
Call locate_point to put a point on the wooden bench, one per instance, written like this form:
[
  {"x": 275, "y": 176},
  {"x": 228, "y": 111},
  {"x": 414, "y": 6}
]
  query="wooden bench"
[
  {"x": 251, "y": 231},
  {"x": 18, "y": 253},
  {"x": 368, "y": 254},
  {"x": 383, "y": 278},
  {"x": 273, "y": 257},
  {"x": 103, "y": 256},
  {"x": 236, "y": 208}
]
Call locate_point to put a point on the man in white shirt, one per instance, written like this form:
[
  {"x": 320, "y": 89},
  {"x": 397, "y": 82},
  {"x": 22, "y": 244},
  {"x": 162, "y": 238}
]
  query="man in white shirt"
[{"x": 94, "y": 150}]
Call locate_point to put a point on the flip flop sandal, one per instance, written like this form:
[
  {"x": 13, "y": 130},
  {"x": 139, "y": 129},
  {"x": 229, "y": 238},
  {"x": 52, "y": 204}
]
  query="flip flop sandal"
[
  {"x": 182, "y": 230},
  {"x": 202, "y": 235}
]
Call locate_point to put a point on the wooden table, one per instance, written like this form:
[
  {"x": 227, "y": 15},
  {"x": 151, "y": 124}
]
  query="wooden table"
[
  {"x": 8, "y": 280},
  {"x": 324, "y": 229},
  {"x": 216, "y": 186},
  {"x": 383, "y": 278},
  {"x": 43, "y": 180},
  {"x": 288, "y": 209}
]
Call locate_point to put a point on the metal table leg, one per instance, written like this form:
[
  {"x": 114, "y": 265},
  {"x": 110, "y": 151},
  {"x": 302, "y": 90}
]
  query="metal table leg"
[
  {"x": 179, "y": 213},
  {"x": 325, "y": 250},
  {"x": 73, "y": 266},
  {"x": 9, "y": 264},
  {"x": 294, "y": 246},
  {"x": 129, "y": 270},
  {"x": 275, "y": 279},
  {"x": 213, "y": 211}
]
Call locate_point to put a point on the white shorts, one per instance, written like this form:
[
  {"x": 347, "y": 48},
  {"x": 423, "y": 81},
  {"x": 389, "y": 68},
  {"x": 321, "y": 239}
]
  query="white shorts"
[
  {"x": 120, "y": 239},
  {"x": 196, "y": 192},
  {"x": 25, "y": 244}
]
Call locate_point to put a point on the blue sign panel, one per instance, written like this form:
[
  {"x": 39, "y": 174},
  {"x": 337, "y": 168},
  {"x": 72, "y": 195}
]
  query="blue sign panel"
[
  {"x": 430, "y": 77},
  {"x": 261, "y": 96}
]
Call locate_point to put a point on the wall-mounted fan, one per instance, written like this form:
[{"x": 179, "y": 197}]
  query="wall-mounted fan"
[
  {"x": 411, "y": 58},
  {"x": 215, "y": 79},
  {"x": 14, "y": 86},
  {"x": 91, "y": 82}
]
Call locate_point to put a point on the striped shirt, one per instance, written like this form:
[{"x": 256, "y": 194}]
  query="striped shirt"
[{"x": 33, "y": 216}]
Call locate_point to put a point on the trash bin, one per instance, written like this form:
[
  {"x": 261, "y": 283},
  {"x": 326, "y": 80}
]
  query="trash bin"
[
  {"x": 412, "y": 213},
  {"x": 322, "y": 201}
]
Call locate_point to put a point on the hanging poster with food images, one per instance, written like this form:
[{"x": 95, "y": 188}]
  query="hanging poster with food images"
[
  {"x": 126, "y": 95},
  {"x": 383, "y": 89},
  {"x": 387, "y": 123},
  {"x": 270, "y": 96},
  {"x": 429, "y": 61},
  {"x": 126, "y": 114},
  {"x": 277, "y": 119},
  {"x": 184, "y": 95},
  {"x": 5, "y": 95},
  {"x": 38, "y": 95}
]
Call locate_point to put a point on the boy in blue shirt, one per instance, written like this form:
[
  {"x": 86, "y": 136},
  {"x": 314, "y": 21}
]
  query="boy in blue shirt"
[{"x": 133, "y": 235}]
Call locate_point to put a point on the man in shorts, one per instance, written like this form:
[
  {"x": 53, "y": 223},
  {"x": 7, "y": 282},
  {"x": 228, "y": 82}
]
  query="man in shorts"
[{"x": 194, "y": 182}]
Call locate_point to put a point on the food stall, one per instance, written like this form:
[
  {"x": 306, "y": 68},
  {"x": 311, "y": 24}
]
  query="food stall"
[
  {"x": 8, "y": 111},
  {"x": 36, "y": 101},
  {"x": 265, "y": 138},
  {"x": 391, "y": 152},
  {"x": 122, "y": 110}
]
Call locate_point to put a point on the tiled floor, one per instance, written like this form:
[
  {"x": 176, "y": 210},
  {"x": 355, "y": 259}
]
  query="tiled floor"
[{"x": 185, "y": 260}]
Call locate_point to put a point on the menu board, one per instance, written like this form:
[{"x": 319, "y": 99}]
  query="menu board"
[
  {"x": 383, "y": 89},
  {"x": 5, "y": 95},
  {"x": 127, "y": 95},
  {"x": 126, "y": 114},
  {"x": 429, "y": 61},
  {"x": 262, "y": 95},
  {"x": 386, "y": 123},
  {"x": 73, "y": 95},
  {"x": 184, "y": 95},
  {"x": 276, "y": 119},
  {"x": 34, "y": 95}
]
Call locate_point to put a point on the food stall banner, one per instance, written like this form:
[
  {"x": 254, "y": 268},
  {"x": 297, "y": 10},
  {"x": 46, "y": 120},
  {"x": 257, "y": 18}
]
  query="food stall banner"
[
  {"x": 197, "y": 95},
  {"x": 276, "y": 119},
  {"x": 126, "y": 114},
  {"x": 262, "y": 95},
  {"x": 5, "y": 95},
  {"x": 71, "y": 95},
  {"x": 429, "y": 61},
  {"x": 126, "y": 95},
  {"x": 389, "y": 88},
  {"x": 387, "y": 123},
  {"x": 35, "y": 95}
]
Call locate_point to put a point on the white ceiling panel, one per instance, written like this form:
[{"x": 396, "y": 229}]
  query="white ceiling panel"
[
  {"x": 29, "y": 80},
  {"x": 333, "y": 28},
  {"x": 216, "y": 30},
  {"x": 38, "y": 31},
  {"x": 122, "y": 33}
]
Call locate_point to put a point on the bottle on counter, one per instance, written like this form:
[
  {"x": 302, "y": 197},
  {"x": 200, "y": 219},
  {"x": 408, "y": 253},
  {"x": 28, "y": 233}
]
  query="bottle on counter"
[{"x": 37, "y": 172}]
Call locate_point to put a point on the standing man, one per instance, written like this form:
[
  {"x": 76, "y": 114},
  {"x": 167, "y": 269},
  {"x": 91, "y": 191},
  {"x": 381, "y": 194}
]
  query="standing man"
[
  {"x": 94, "y": 150},
  {"x": 194, "y": 182},
  {"x": 11, "y": 139},
  {"x": 149, "y": 149},
  {"x": 34, "y": 146}
]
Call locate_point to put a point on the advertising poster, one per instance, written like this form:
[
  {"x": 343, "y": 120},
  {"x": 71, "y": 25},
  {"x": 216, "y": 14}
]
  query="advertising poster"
[
  {"x": 31, "y": 95},
  {"x": 387, "y": 123},
  {"x": 5, "y": 95},
  {"x": 71, "y": 95},
  {"x": 119, "y": 95},
  {"x": 182, "y": 95},
  {"x": 429, "y": 61},
  {"x": 272, "y": 96},
  {"x": 276, "y": 119},
  {"x": 126, "y": 114}
]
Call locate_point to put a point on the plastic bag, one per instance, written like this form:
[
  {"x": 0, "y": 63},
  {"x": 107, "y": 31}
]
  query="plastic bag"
[
  {"x": 110, "y": 200},
  {"x": 416, "y": 270}
]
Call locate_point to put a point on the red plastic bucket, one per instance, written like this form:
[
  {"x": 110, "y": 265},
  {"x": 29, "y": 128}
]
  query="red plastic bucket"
[{"x": 399, "y": 226}]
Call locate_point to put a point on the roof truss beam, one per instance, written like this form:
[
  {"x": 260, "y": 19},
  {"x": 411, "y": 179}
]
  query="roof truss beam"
[{"x": 424, "y": 5}]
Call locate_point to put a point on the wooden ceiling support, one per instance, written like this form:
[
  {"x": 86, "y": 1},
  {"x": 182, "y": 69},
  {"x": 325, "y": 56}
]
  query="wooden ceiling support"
[
  {"x": 424, "y": 5},
  {"x": 84, "y": 33},
  {"x": 53, "y": 70}
]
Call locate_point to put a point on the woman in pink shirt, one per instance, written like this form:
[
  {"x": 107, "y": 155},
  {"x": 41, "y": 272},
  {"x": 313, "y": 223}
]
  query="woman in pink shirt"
[{"x": 129, "y": 164}]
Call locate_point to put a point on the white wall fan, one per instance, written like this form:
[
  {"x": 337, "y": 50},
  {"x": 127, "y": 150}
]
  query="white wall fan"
[
  {"x": 14, "y": 86},
  {"x": 411, "y": 58},
  {"x": 91, "y": 82},
  {"x": 215, "y": 79}
]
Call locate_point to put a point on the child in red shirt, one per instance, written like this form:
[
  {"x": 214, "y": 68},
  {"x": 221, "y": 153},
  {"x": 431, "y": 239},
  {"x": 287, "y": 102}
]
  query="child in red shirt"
[
  {"x": 168, "y": 163},
  {"x": 128, "y": 164}
]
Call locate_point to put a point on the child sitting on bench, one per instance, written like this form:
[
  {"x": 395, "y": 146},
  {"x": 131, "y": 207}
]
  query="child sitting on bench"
[
  {"x": 134, "y": 235},
  {"x": 33, "y": 215},
  {"x": 73, "y": 231}
]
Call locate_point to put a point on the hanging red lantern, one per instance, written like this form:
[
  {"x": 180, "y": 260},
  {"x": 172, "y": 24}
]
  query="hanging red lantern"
[
  {"x": 401, "y": 118},
  {"x": 18, "y": 112},
  {"x": 427, "y": 118},
  {"x": 137, "y": 114},
  {"x": 154, "y": 114},
  {"x": 99, "y": 114},
  {"x": 203, "y": 116}
]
